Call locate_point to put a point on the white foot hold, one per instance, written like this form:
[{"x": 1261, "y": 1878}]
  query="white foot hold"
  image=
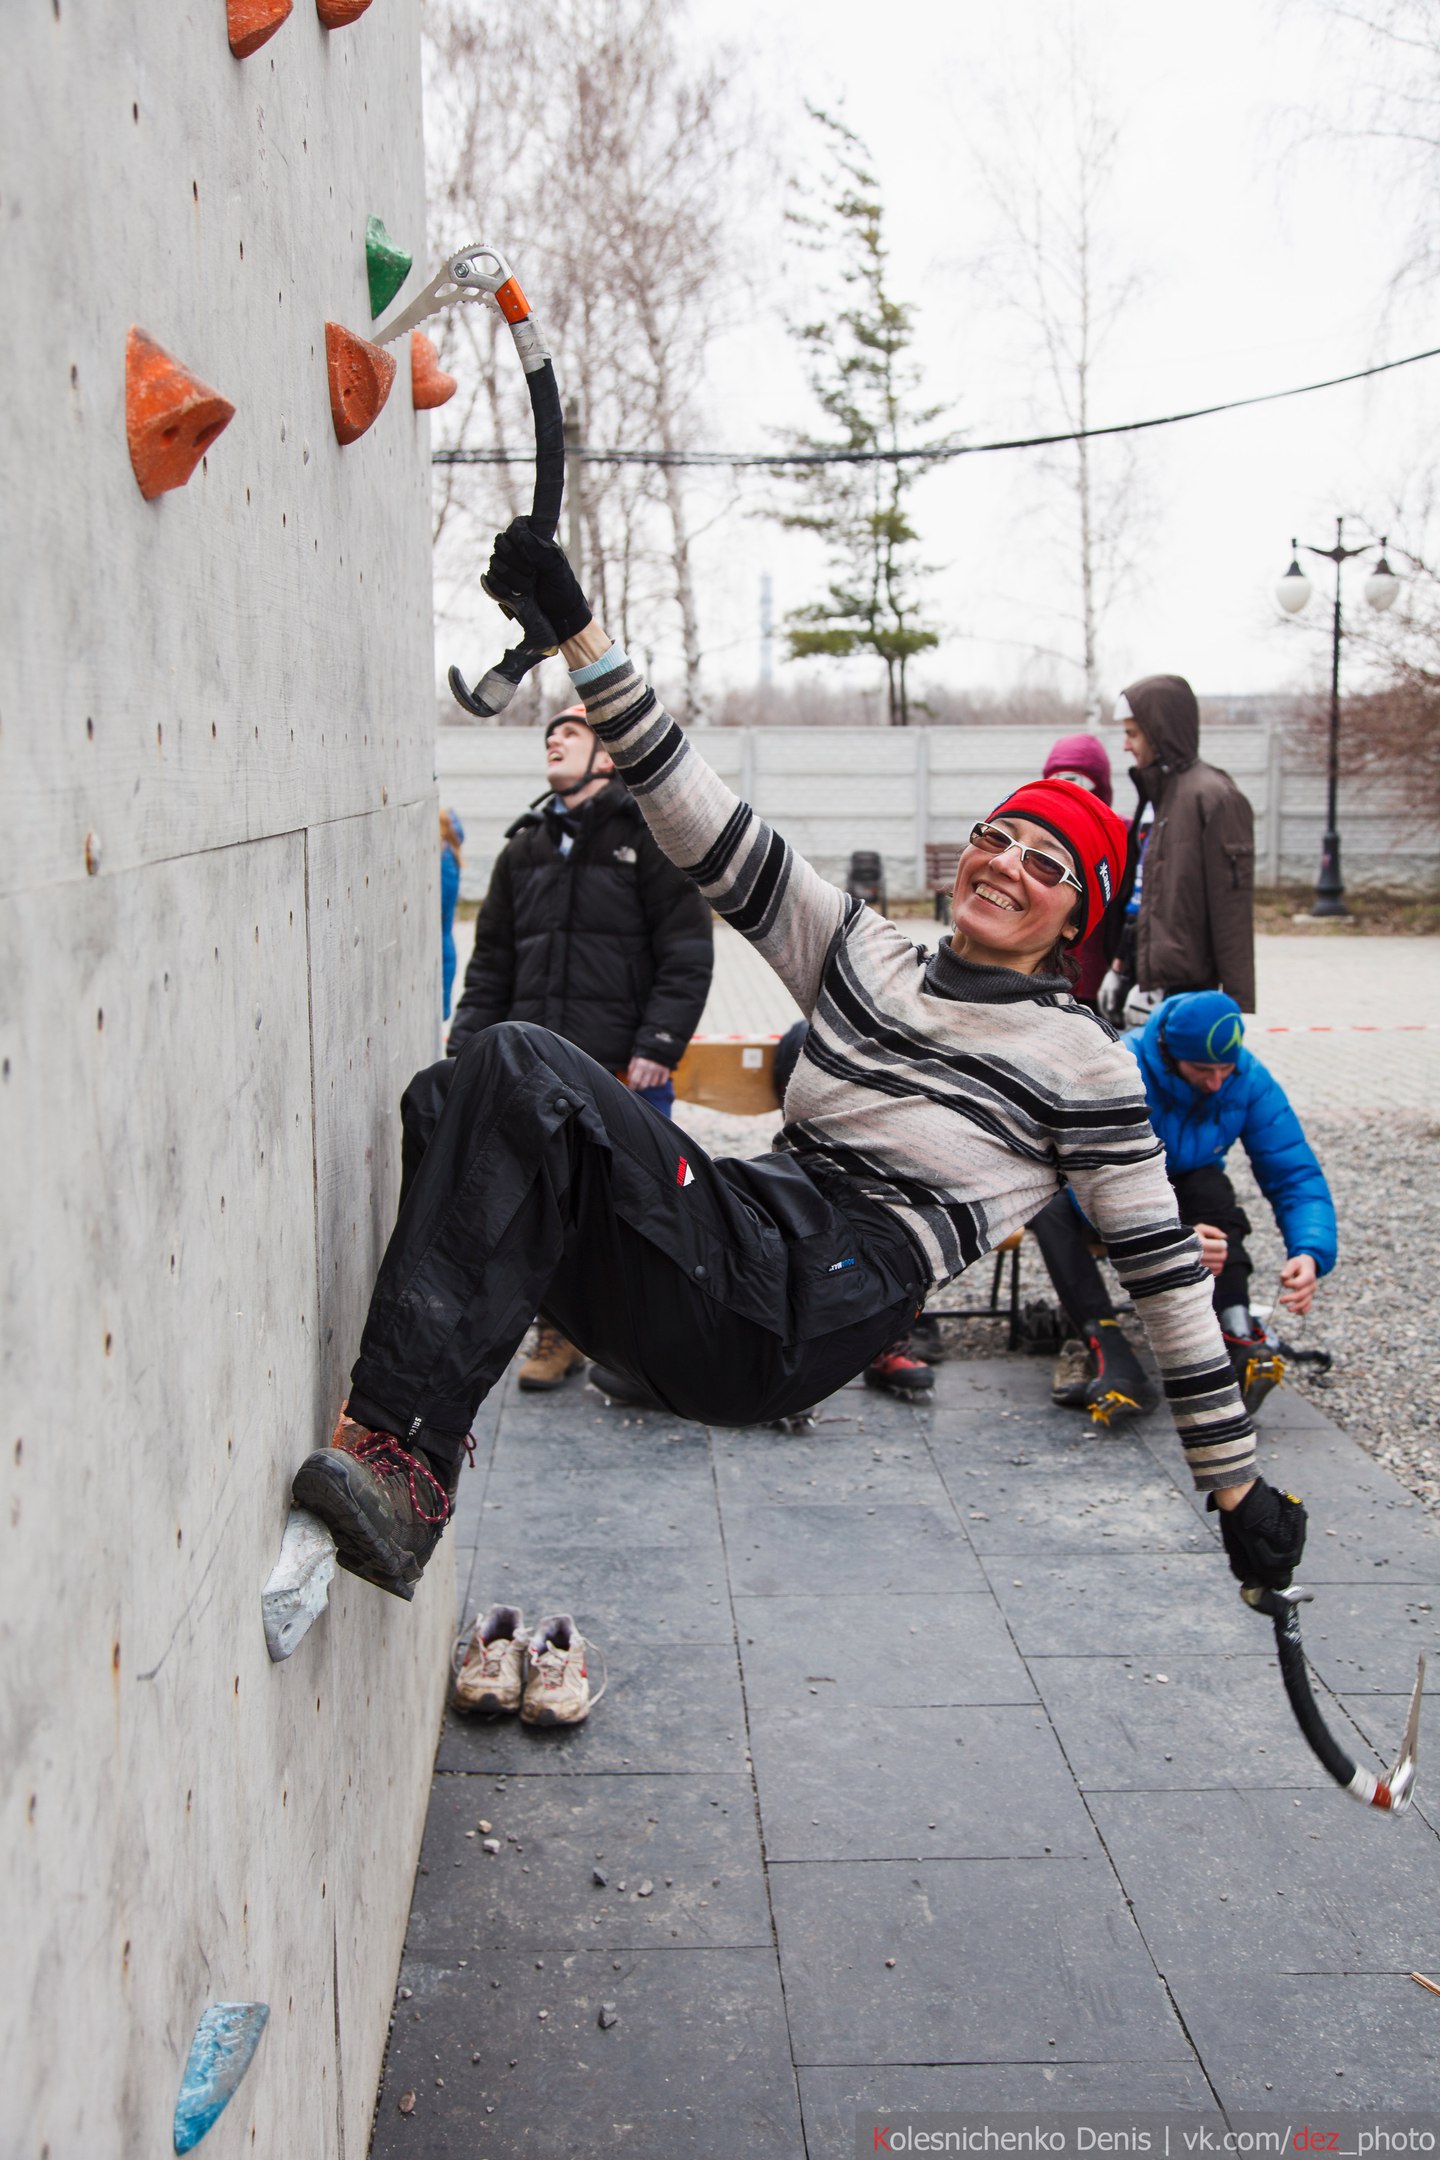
[{"x": 299, "y": 1585}]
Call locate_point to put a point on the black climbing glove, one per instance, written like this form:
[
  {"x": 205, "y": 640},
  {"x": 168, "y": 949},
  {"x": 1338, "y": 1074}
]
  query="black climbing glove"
[
  {"x": 1264, "y": 1536},
  {"x": 527, "y": 568}
]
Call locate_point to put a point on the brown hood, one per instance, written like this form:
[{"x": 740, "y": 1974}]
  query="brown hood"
[{"x": 1166, "y": 709}]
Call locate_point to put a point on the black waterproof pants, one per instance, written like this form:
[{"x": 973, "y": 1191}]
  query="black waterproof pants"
[
  {"x": 536, "y": 1182},
  {"x": 1205, "y": 1195}
]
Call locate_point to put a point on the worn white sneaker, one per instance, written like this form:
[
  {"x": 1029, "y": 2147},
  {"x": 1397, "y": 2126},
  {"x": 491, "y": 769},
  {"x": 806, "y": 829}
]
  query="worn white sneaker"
[
  {"x": 489, "y": 1663},
  {"x": 557, "y": 1679}
]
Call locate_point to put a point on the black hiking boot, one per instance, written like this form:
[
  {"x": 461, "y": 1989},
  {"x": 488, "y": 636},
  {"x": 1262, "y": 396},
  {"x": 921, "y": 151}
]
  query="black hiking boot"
[
  {"x": 621, "y": 1392},
  {"x": 1119, "y": 1383},
  {"x": 383, "y": 1504}
]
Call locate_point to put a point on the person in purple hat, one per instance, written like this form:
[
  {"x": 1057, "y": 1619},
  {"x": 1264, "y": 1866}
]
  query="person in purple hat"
[{"x": 1085, "y": 762}]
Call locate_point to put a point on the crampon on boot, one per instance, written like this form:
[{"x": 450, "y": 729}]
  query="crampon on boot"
[
  {"x": 382, "y": 1502},
  {"x": 1119, "y": 1383},
  {"x": 896, "y": 1372},
  {"x": 1255, "y": 1355}
]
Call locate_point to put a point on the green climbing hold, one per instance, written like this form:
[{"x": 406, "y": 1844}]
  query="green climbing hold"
[{"x": 388, "y": 266}]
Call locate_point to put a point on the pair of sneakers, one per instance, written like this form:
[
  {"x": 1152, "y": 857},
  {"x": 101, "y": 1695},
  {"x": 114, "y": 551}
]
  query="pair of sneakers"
[{"x": 499, "y": 1669}]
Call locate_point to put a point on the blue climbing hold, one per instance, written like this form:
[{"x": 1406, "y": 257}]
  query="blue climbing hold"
[{"x": 225, "y": 2041}]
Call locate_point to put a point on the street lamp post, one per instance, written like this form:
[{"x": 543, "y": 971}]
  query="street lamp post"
[{"x": 1292, "y": 592}]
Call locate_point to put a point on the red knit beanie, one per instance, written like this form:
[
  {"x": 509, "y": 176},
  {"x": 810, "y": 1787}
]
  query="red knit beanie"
[{"x": 1094, "y": 836}]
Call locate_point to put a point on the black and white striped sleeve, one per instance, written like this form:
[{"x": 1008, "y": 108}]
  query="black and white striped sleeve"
[{"x": 749, "y": 874}]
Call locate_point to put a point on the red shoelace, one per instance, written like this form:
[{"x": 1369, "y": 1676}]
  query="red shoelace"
[{"x": 382, "y": 1453}]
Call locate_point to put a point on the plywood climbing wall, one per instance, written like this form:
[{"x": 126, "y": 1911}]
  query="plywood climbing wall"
[{"x": 218, "y": 965}]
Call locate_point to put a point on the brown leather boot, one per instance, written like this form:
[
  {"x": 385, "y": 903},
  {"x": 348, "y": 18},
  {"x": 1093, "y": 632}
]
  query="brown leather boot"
[
  {"x": 552, "y": 1362},
  {"x": 382, "y": 1503}
]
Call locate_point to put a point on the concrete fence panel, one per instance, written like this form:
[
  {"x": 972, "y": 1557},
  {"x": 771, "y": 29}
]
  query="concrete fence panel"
[{"x": 833, "y": 790}]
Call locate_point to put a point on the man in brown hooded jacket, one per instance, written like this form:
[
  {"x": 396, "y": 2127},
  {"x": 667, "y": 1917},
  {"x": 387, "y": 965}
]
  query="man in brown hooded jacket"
[{"x": 1195, "y": 928}]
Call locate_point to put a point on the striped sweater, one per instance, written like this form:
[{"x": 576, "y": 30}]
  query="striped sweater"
[{"x": 958, "y": 1097}]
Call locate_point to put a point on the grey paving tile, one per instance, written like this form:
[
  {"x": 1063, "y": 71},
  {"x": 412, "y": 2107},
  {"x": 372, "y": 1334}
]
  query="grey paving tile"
[
  {"x": 578, "y": 1504},
  {"x": 1376, "y": 1532},
  {"x": 620, "y": 1591},
  {"x": 1363, "y": 1639},
  {"x": 1211, "y": 1721},
  {"x": 938, "y": 1648},
  {"x": 581, "y": 1429},
  {"x": 693, "y": 1840},
  {"x": 1123, "y": 1604},
  {"x": 843, "y": 1550},
  {"x": 697, "y": 2064},
  {"x": 578, "y": 1417},
  {"x": 838, "y": 2102},
  {"x": 978, "y": 1385},
  {"x": 862, "y": 1468},
  {"x": 1100, "y": 1502},
  {"x": 679, "y": 1712},
  {"x": 1288, "y": 1882},
  {"x": 995, "y": 1960},
  {"x": 469, "y": 1494},
  {"x": 1309, "y": 2041},
  {"x": 1044, "y": 1439},
  {"x": 846, "y": 1782},
  {"x": 1380, "y": 1719}
]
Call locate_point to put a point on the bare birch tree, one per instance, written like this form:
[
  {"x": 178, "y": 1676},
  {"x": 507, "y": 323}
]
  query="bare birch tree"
[
  {"x": 1050, "y": 176},
  {"x": 587, "y": 139}
]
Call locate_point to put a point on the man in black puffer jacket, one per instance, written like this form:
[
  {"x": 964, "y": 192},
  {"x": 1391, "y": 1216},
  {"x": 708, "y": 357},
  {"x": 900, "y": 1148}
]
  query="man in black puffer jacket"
[{"x": 589, "y": 931}]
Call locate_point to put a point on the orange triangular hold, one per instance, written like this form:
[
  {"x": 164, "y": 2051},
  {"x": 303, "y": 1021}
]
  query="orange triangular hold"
[
  {"x": 171, "y": 417},
  {"x": 360, "y": 379},
  {"x": 334, "y": 14},
  {"x": 429, "y": 384},
  {"x": 251, "y": 22}
]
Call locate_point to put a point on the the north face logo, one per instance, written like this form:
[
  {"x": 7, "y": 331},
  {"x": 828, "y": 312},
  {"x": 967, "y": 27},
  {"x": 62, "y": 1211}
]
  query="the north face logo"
[
  {"x": 625, "y": 854},
  {"x": 1102, "y": 871}
]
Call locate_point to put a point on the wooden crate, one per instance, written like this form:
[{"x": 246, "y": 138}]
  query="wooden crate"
[{"x": 729, "y": 1072}]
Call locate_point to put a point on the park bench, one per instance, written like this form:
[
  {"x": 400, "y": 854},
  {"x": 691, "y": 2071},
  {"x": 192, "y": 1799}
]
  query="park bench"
[{"x": 942, "y": 860}]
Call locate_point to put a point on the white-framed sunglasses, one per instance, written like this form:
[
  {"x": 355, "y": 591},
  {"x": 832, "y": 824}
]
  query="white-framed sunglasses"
[{"x": 1045, "y": 869}]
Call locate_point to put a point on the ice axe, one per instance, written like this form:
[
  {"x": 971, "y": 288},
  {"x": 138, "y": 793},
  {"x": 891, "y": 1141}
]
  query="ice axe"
[
  {"x": 477, "y": 273},
  {"x": 1393, "y": 1792}
]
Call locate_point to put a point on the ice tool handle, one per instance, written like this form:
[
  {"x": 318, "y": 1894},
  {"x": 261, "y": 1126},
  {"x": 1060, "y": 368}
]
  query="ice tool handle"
[
  {"x": 478, "y": 273},
  {"x": 1396, "y": 1789}
]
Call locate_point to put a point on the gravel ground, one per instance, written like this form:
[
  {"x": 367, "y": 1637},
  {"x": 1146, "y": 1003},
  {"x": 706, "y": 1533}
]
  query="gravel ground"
[{"x": 1378, "y": 1314}]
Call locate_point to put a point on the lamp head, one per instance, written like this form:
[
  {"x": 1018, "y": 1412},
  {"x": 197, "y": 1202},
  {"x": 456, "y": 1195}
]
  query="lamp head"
[{"x": 1294, "y": 588}]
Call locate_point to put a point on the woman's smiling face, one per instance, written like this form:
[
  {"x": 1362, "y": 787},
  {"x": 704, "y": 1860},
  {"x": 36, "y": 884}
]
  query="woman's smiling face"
[{"x": 1002, "y": 916}]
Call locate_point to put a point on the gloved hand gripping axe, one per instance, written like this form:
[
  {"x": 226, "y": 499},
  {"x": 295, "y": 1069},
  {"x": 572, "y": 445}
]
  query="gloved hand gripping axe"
[{"x": 476, "y": 273}]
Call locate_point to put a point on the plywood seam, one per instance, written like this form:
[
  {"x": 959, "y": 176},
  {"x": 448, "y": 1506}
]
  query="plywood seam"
[
  {"x": 314, "y": 1113},
  {"x": 143, "y": 863}
]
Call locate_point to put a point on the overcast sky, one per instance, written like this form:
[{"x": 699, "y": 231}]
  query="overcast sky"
[{"x": 1265, "y": 261}]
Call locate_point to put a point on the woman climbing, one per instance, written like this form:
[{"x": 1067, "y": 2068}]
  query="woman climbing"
[{"x": 940, "y": 1101}]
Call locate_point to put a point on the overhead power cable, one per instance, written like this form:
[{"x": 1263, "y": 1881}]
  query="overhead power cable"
[{"x": 935, "y": 456}]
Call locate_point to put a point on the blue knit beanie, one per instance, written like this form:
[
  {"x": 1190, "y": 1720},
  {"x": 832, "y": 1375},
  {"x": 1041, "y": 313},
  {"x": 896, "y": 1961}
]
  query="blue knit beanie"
[{"x": 1204, "y": 1027}]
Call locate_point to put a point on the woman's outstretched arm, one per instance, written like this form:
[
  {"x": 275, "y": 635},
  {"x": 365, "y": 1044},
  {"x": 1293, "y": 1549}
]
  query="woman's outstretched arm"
[
  {"x": 747, "y": 872},
  {"x": 1123, "y": 1190}
]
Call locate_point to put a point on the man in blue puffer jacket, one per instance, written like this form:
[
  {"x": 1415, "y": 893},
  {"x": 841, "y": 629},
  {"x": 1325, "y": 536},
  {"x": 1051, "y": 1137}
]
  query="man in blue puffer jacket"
[{"x": 1205, "y": 1091}]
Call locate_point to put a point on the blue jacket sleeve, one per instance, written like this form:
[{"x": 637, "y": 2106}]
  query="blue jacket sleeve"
[{"x": 1288, "y": 1173}]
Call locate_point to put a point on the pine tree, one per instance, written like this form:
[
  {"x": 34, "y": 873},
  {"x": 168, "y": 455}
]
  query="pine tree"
[{"x": 868, "y": 390}]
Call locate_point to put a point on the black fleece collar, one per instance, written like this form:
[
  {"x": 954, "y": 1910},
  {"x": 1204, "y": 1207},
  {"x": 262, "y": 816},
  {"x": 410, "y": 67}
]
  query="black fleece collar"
[{"x": 971, "y": 983}]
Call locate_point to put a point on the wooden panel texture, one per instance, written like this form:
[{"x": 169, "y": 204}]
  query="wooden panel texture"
[
  {"x": 243, "y": 656},
  {"x": 204, "y": 1031}
]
